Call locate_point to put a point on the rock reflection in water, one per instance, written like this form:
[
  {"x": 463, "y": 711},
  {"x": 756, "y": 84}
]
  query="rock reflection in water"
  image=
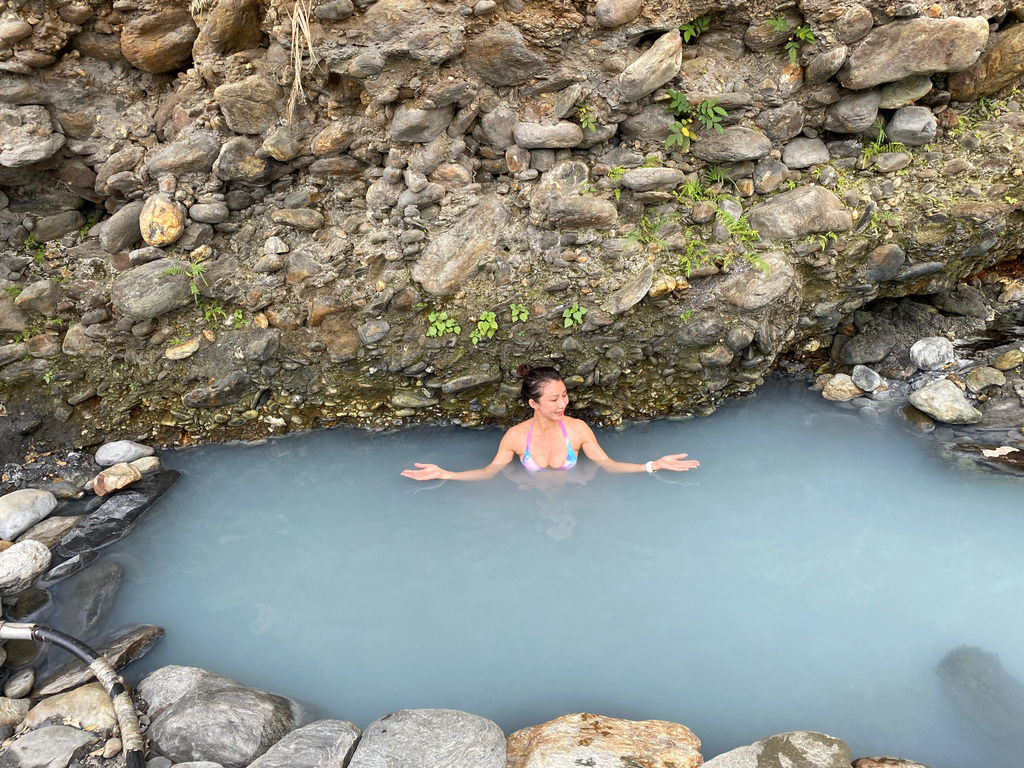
[{"x": 990, "y": 699}]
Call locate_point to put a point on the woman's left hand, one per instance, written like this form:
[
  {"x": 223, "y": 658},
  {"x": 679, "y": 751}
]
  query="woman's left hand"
[{"x": 676, "y": 462}]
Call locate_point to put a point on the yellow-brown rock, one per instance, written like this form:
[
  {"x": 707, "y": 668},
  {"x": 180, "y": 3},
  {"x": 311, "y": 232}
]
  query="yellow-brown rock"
[
  {"x": 998, "y": 67},
  {"x": 662, "y": 286},
  {"x": 159, "y": 42},
  {"x": 88, "y": 708},
  {"x": 161, "y": 220},
  {"x": 184, "y": 350},
  {"x": 114, "y": 478},
  {"x": 584, "y": 739}
]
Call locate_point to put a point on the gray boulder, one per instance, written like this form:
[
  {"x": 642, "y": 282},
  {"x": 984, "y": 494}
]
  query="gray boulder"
[
  {"x": 752, "y": 288},
  {"x": 412, "y": 738},
  {"x": 20, "y": 510},
  {"x": 501, "y": 57},
  {"x": 943, "y": 401},
  {"x": 659, "y": 64},
  {"x": 916, "y": 47},
  {"x": 796, "y": 749},
  {"x": 733, "y": 144},
  {"x": 913, "y": 126},
  {"x": 203, "y": 716},
  {"x": 152, "y": 289},
  {"x": 800, "y": 212},
  {"x": 323, "y": 744},
  {"x": 803, "y": 153},
  {"x": 420, "y": 125},
  {"x": 650, "y": 179},
  {"x": 561, "y": 135},
  {"x": 121, "y": 451},
  {"x": 631, "y": 293},
  {"x": 52, "y": 747},
  {"x": 931, "y": 353},
  {"x": 20, "y": 564},
  {"x": 865, "y": 378},
  {"x": 121, "y": 231},
  {"x": 963, "y": 300},
  {"x": 853, "y": 113}
]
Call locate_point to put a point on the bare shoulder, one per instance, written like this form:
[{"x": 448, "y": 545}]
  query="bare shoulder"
[
  {"x": 577, "y": 428},
  {"x": 515, "y": 436}
]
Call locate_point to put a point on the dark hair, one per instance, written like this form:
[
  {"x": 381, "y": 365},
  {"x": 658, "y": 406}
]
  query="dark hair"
[{"x": 534, "y": 380}]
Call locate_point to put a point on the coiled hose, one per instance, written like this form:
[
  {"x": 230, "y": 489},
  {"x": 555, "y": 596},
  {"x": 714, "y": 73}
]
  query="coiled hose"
[{"x": 131, "y": 740}]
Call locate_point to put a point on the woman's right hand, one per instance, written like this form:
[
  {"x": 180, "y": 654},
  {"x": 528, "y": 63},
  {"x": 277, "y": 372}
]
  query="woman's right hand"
[{"x": 425, "y": 472}]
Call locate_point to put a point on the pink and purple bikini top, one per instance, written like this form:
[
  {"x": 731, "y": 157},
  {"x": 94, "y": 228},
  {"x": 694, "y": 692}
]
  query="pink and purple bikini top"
[{"x": 531, "y": 466}]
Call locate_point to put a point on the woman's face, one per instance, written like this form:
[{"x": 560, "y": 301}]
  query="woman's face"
[{"x": 553, "y": 400}]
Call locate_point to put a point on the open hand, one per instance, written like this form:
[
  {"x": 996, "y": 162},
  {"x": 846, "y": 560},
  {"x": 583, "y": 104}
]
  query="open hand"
[
  {"x": 675, "y": 462},
  {"x": 425, "y": 472}
]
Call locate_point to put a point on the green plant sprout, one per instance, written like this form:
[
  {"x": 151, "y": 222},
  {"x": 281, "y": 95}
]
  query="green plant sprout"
[
  {"x": 195, "y": 272},
  {"x": 680, "y": 135},
  {"x": 34, "y": 247},
  {"x": 14, "y": 291},
  {"x": 238, "y": 319},
  {"x": 716, "y": 175},
  {"x": 709, "y": 114},
  {"x": 485, "y": 328},
  {"x": 684, "y": 317},
  {"x": 801, "y": 36},
  {"x": 48, "y": 376},
  {"x": 822, "y": 239},
  {"x": 441, "y": 325},
  {"x": 213, "y": 312},
  {"x": 779, "y": 24},
  {"x": 879, "y": 145},
  {"x": 694, "y": 256},
  {"x": 519, "y": 313},
  {"x": 586, "y": 117},
  {"x": 573, "y": 316},
  {"x": 695, "y": 28},
  {"x": 90, "y": 222},
  {"x": 646, "y": 231},
  {"x": 678, "y": 104}
]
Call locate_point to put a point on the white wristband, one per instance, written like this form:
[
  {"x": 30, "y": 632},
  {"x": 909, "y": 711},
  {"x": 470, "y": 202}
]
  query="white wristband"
[{"x": 649, "y": 466}]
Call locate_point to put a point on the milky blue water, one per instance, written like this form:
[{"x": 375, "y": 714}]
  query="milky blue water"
[{"x": 810, "y": 575}]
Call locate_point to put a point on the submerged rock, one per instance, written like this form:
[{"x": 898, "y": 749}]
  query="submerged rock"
[
  {"x": 410, "y": 738},
  {"x": 585, "y": 739}
]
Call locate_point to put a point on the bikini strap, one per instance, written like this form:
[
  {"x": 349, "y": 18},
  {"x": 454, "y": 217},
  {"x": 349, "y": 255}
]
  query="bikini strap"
[
  {"x": 564, "y": 433},
  {"x": 529, "y": 434}
]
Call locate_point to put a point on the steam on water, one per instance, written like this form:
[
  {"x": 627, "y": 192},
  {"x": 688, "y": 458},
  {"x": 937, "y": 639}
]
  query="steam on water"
[{"x": 813, "y": 574}]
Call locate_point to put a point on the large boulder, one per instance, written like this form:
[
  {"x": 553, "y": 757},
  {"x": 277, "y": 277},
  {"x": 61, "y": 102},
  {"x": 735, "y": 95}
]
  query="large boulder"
[
  {"x": 800, "y": 212},
  {"x": 603, "y": 742},
  {"x": 796, "y": 749},
  {"x": 152, "y": 289},
  {"x": 159, "y": 42},
  {"x": 943, "y": 401},
  {"x": 1000, "y": 65},
  {"x": 412, "y": 738},
  {"x": 500, "y": 56},
  {"x": 197, "y": 715},
  {"x": 919, "y": 46},
  {"x": 731, "y": 145},
  {"x": 20, "y": 564},
  {"x": 655, "y": 67}
]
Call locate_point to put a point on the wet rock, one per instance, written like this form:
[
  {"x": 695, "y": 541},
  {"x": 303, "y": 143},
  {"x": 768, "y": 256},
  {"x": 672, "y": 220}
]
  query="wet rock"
[
  {"x": 883, "y": 263},
  {"x": 53, "y": 747},
  {"x": 870, "y": 346},
  {"x": 913, "y": 126},
  {"x": 414, "y": 737},
  {"x": 228, "y": 26},
  {"x": 753, "y": 288},
  {"x": 649, "y": 179},
  {"x": 800, "y": 212},
  {"x": 197, "y": 715},
  {"x": 885, "y": 762},
  {"x": 1000, "y": 65},
  {"x": 853, "y": 113},
  {"x": 115, "y": 478},
  {"x": 223, "y": 391},
  {"x": 322, "y": 744},
  {"x": 841, "y": 387},
  {"x": 28, "y": 136},
  {"x": 19, "y": 684},
  {"x": 113, "y": 520},
  {"x": 932, "y": 353},
  {"x": 538, "y": 136},
  {"x": 159, "y": 42},
  {"x": 803, "y": 153},
  {"x": 733, "y": 144},
  {"x": 412, "y": 124},
  {"x": 119, "y": 451},
  {"x": 584, "y": 739},
  {"x": 121, "y": 231},
  {"x": 943, "y": 401},
  {"x": 501, "y": 57},
  {"x": 413, "y": 398},
  {"x": 615, "y": 13},
  {"x": 20, "y": 510},
  {"x": 865, "y": 378},
  {"x": 373, "y": 331},
  {"x": 963, "y": 300},
  {"x": 161, "y": 221},
  {"x": 805, "y": 749},
  {"x": 459, "y": 252},
  {"x": 119, "y": 647},
  {"x": 88, "y": 707},
  {"x": 658, "y": 64},
  {"x": 20, "y": 564},
  {"x": 631, "y": 293},
  {"x": 980, "y": 379},
  {"x": 66, "y": 569},
  {"x": 919, "y": 46},
  {"x": 13, "y": 711},
  {"x": 251, "y": 105},
  {"x": 152, "y": 289},
  {"x": 904, "y": 92}
]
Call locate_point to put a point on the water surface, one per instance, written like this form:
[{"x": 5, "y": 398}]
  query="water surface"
[{"x": 810, "y": 575}]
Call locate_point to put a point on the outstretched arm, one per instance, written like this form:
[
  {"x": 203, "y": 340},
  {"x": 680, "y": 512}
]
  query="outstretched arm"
[
  {"x": 675, "y": 462},
  {"x": 433, "y": 472}
]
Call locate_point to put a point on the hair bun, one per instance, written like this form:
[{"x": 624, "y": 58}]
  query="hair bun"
[{"x": 524, "y": 370}]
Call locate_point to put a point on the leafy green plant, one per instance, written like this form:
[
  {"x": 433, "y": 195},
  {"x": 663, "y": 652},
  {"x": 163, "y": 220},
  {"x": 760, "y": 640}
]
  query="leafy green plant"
[
  {"x": 779, "y": 24},
  {"x": 34, "y": 247},
  {"x": 441, "y": 325},
  {"x": 694, "y": 256},
  {"x": 519, "y": 313},
  {"x": 214, "y": 312},
  {"x": 695, "y": 28},
  {"x": 238, "y": 319},
  {"x": 716, "y": 174},
  {"x": 573, "y": 316},
  {"x": 586, "y": 117},
  {"x": 486, "y": 327},
  {"x": 14, "y": 291},
  {"x": 709, "y": 114},
  {"x": 90, "y": 222},
  {"x": 801, "y": 36},
  {"x": 880, "y": 145},
  {"x": 678, "y": 104},
  {"x": 646, "y": 231},
  {"x": 822, "y": 239},
  {"x": 195, "y": 272},
  {"x": 651, "y": 161},
  {"x": 48, "y": 376},
  {"x": 685, "y": 316},
  {"x": 680, "y": 135},
  {"x": 744, "y": 235}
]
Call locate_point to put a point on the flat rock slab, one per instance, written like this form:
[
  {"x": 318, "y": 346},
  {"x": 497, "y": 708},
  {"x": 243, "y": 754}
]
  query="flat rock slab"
[
  {"x": 323, "y": 744},
  {"x": 116, "y": 516},
  {"x": 52, "y": 747},
  {"x": 413, "y": 738},
  {"x": 119, "y": 647},
  {"x": 796, "y": 749},
  {"x": 604, "y": 742}
]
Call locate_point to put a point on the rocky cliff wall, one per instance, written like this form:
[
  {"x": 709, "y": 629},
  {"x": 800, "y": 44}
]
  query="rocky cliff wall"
[{"x": 239, "y": 217}]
